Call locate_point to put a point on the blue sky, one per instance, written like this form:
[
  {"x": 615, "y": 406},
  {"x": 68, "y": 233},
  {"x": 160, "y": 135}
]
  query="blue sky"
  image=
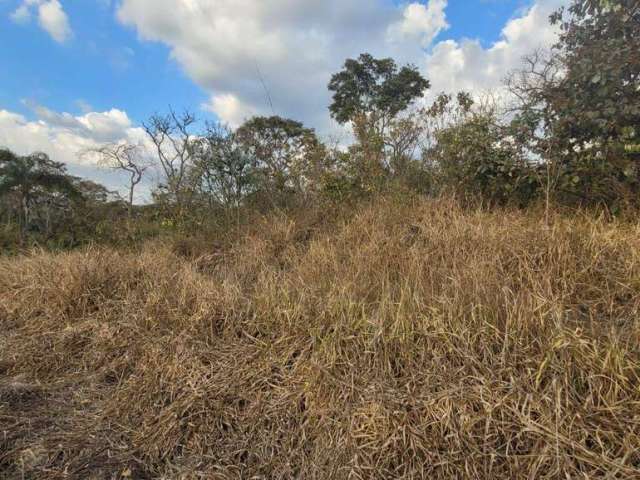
[
  {"x": 103, "y": 66},
  {"x": 79, "y": 73}
]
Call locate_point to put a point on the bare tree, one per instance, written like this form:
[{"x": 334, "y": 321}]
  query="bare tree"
[
  {"x": 403, "y": 142},
  {"x": 533, "y": 88},
  {"x": 126, "y": 157},
  {"x": 175, "y": 145}
]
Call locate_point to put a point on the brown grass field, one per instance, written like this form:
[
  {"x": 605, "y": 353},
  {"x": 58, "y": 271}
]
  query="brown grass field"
[{"x": 415, "y": 340}]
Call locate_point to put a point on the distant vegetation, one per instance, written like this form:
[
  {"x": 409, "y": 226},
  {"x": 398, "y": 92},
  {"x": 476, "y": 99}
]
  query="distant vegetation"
[{"x": 456, "y": 294}]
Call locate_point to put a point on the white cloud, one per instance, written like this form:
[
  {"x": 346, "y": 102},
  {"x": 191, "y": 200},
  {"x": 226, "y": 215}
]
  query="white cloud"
[
  {"x": 237, "y": 49},
  {"x": 229, "y": 107},
  {"x": 63, "y": 135},
  {"x": 96, "y": 127},
  {"x": 21, "y": 15},
  {"x": 455, "y": 65},
  {"x": 51, "y": 17},
  {"x": 420, "y": 23}
]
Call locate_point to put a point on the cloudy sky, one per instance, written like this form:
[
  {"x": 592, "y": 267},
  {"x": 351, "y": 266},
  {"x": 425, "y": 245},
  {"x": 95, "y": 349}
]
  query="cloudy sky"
[{"x": 78, "y": 73}]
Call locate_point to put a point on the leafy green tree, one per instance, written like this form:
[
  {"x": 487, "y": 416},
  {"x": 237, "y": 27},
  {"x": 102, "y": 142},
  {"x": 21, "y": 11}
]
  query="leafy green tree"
[
  {"x": 30, "y": 179},
  {"x": 472, "y": 154},
  {"x": 98, "y": 217},
  {"x": 579, "y": 105},
  {"x": 374, "y": 88},
  {"x": 600, "y": 89},
  {"x": 371, "y": 94}
]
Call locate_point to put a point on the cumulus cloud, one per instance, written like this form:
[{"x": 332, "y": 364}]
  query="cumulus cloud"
[
  {"x": 245, "y": 51},
  {"x": 51, "y": 17},
  {"x": 22, "y": 14},
  {"x": 456, "y": 65},
  {"x": 237, "y": 49},
  {"x": 230, "y": 108},
  {"x": 420, "y": 23},
  {"x": 96, "y": 127}
]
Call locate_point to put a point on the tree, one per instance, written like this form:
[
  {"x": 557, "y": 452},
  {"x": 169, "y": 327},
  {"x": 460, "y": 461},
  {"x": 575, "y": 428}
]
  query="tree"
[
  {"x": 579, "y": 105},
  {"x": 126, "y": 157},
  {"x": 472, "y": 153},
  {"x": 370, "y": 94},
  {"x": 285, "y": 153},
  {"x": 223, "y": 169},
  {"x": 32, "y": 177},
  {"x": 600, "y": 48},
  {"x": 599, "y": 109},
  {"x": 174, "y": 143},
  {"x": 535, "y": 88},
  {"x": 374, "y": 88}
]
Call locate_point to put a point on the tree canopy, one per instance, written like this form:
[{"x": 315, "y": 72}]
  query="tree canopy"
[{"x": 368, "y": 86}]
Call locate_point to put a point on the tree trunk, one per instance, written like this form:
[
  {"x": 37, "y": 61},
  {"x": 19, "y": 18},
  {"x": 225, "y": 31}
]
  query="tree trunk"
[
  {"x": 24, "y": 220},
  {"x": 130, "y": 206}
]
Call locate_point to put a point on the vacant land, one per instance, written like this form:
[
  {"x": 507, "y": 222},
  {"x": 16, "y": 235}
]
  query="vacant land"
[{"x": 403, "y": 341}]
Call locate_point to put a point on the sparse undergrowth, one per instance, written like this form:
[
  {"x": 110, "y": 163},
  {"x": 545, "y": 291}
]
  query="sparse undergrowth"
[{"x": 408, "y": 341}]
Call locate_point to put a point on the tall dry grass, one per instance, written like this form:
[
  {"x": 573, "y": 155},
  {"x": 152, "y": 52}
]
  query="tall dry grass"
[{"x": 407, "y": 341}]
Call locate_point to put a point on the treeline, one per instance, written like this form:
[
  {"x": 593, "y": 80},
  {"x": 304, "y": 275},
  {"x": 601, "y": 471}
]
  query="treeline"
[{"x": 563, "y": 131}]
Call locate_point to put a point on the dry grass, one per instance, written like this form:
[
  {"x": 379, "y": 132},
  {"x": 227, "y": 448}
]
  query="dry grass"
[{"x": 409, "y": 341}]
